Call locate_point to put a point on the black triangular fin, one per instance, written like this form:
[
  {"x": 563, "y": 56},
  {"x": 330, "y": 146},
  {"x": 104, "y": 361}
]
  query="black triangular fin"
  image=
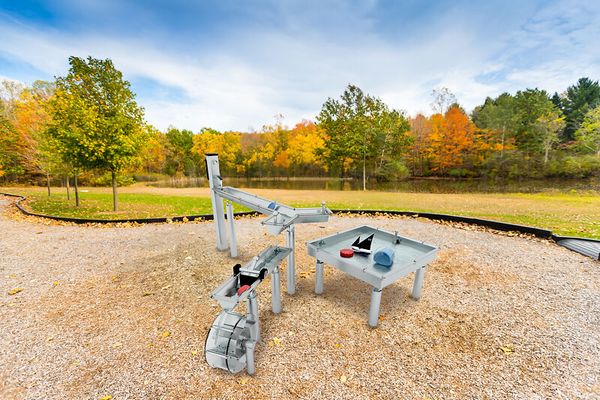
[
  {"x": 356, "y": 242},
  {"x": 366, "y": 244}
]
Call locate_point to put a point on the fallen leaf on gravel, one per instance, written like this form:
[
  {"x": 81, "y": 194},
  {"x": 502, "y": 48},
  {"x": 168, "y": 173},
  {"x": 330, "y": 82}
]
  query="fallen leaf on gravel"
[
  {"x": 14, "y": 291},
  {"x": 185, "y": 219},
  {"x": 109, "y": 397},
  {"x": 343, "y": 379},
  {"x": 115, "y": 278},
  {"x": 276, "y": 341},
  {"x": 194, "y": 352},
  {"x": 337, "y": 345},
  {"x": 49, "y": 338},
  {"x": 506, "y": 350},
  {"x": 55, "y": 283},
  {"x": 116, "y": 345},
  {"x": 147, "y": 294},
  {"x": 243, "y": 381},
  {"x": 165, "y": 334},
  {"x": 165, "y": 287}
]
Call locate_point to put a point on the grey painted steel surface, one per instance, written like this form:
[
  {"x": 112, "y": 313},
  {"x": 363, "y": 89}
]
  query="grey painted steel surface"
[
  {"x": 279, "y": 216},
  {"x": 232, "y": 240},
  {"x": 409, "y": 256},
  {"x": 232, "y": 337},
  {"x": 214, "y": 182},
  {"x": 291, "y": 265},
  {"x": 374, "y": 307}
]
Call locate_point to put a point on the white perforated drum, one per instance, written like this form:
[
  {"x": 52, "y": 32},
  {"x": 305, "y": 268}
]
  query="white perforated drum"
[{"x": 225, "y": 344}]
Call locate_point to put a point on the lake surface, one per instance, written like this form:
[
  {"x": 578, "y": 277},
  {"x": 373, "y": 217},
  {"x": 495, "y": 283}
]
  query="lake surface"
[{"x": 411, "y": 185}]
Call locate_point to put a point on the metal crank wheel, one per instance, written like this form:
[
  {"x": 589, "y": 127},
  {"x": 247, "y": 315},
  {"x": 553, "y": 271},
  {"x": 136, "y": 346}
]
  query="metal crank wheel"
[{"x": 225, "y": 345}]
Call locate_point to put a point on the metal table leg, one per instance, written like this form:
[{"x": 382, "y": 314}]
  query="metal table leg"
[
  {"x": 252, "y": 316},
  {"x": 418, "y": 284},
  {"x": 232, "y": 239},
  {"x": 319, "y": 278},
  {"x": 250, "y": 365},
  {"x": 276, "y": 298},
  {"x": 291, "y": 264},
  {"x": 374, "y": 307}
]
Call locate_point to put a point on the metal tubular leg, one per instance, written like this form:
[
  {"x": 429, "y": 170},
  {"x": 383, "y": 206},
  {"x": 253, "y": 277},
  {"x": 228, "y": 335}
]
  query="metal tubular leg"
[
  {"x": 276, "y": 298},
  {"x": 219, "y": 220},
  {"x": 250, "y": 365},
  {"x": 252, "y": 316},
  {"x": 232, "y": 239},
  {"x": 374, "y": 307},
  {"x": 418, "y": 284},
  {"x": 291, "y": 264},
  {"x": 319, "y": 278}
]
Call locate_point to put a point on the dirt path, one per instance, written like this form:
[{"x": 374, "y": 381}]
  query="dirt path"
[{"x": 124, "y": 312}]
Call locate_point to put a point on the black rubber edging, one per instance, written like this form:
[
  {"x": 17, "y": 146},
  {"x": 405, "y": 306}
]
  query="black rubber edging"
[
  {"x": 156, "y": 220},
  {"x": 501, "y": 226}
]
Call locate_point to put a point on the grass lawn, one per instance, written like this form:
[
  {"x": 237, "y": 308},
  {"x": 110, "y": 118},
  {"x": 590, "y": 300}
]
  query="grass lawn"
[{"x": 576, "y": 214}]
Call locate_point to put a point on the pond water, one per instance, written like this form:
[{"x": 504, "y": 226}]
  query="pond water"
[{"x": 411, "y": 185}]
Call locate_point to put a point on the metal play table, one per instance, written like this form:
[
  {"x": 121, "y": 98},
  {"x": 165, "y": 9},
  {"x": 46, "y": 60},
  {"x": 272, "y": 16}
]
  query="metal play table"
[{"x": 409, "y": 256}]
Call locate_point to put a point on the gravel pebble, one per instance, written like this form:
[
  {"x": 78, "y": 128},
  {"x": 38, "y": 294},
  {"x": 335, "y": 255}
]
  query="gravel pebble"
[{"x": 124, "y": 312}]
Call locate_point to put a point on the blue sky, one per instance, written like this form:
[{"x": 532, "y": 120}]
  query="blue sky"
[{"x": 237, "y": 64}]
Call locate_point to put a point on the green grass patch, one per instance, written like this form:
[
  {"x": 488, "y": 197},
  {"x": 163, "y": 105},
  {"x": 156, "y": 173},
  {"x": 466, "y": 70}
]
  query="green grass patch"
[{"x": 572, "y": 214}]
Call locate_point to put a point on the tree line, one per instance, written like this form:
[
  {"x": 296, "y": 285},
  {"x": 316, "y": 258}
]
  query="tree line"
[{"x": 87, "y": 126}]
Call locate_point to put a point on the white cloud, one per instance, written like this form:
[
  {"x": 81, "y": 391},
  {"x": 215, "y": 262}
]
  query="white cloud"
[{"x": 293, "y": 67}]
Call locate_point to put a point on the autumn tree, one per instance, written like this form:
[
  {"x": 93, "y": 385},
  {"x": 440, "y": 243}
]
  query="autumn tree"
[
  {"x": 305, "y": 143},
  {"x": 420, "y": 130},
  {"x": 9, "y": 156},
  {"x": 499, "y": 118},
  {"x": 362, "y": 131},
  {"x": 31, "y": 119},
  {"x": 549, "y": 125},
  {"x": 443, "y": 99},
  {"x": 576, "y": 102},
  {"x": 451, "y": 140},
  {"x": 181, "y": 159},
  {"x": 530, "y": 105},
  {"x": 227, "y": 145},
  {"x": 588, "y": 134},
  {"x": 96, "y": 122},
  {"x": 153, "y": 154}
]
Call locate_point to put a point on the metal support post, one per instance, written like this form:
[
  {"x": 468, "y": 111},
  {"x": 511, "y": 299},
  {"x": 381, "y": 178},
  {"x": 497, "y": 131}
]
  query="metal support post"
[
  {"x": 250, "y": 365},
  {"x": 214, "y": 181},
  {"x": 291, "y": 264},
  {"x": 418, "y": 284},
  {"x": 374, "y": 307},
  {"x": 232, "y": 239},
  {"x": 276, "y": 297},
  {"x": 319, "y": 278},
  {"x": 252, "y": 316}
]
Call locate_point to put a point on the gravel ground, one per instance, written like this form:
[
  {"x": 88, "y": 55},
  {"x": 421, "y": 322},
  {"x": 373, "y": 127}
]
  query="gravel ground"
[{"x": 124, "y": 311}]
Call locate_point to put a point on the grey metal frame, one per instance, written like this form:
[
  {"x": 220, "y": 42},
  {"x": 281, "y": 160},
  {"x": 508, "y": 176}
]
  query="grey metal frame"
[
  {"x": 279, "y": 216},
  {"x": 410, "y": 256}
]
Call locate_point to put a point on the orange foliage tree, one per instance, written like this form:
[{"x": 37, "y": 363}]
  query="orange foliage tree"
[{"x": 451, "y": 140}]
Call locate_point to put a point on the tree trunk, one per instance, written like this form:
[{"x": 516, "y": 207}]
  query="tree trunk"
[
  {"x": 547, "y": 150},
  {"x": 364, "y": 174},
  {"x": 502, "y": 150},
  {"x": 114, "y": 187},
  {"x": 68, "y": 187},
  {"x": 76, "y": 190},
  {"x": 48, "y": 183}
]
